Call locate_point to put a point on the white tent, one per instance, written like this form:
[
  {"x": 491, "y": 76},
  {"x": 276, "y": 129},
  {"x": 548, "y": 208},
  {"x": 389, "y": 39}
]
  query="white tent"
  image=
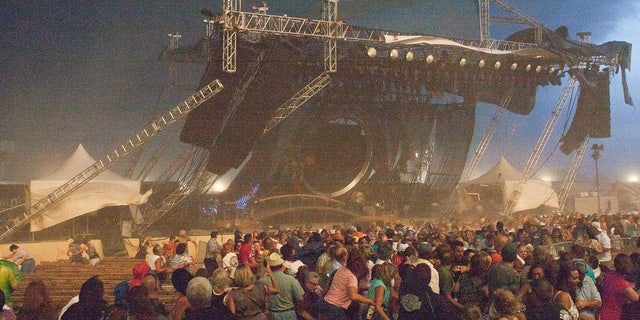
[
  {"x": 107, "y": 189},
  {"x": 507, "y": 179}
]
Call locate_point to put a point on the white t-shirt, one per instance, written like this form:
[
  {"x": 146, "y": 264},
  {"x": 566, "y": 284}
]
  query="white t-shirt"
[{"x": 230, "y": 263}]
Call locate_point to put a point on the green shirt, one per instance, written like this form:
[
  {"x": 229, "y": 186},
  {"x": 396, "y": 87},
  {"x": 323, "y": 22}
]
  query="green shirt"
[{"x": 290, "y": 291}]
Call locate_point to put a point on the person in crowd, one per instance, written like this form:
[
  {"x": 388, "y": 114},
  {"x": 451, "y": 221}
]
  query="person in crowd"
[
  {"x": 22, "y": 259},
  {"x": 380, "y": 291},
  {"x": 425, "y": 256},
  {"x": 92, "y": 252},
  {"x": 310, "y": 282},
  {"x": 616, "y": 290},
  {"x": 472, "y": 284},
  {"x": 169, "y": 248},
  {"x": 587, "y": 240},
  {"x": 521, "y": 257},
  {"x": 5, "y": 310},
  {"x": 199, "y": 293},
  {"x": 181, "y": 259},
  {"x": 290, "y": 294},
  {"x": 143, "y": 247},
  {"x": 536, "y": 273},
  {"x": 568, "y": 280},
  {"x": 10, "y": 275},
  {"x": 447, "y": 282},
  {"x": 291, "y": 264},
  {"x": 120, "y": 307},
  {"x": 158, "y": 264},
  {"x": 343, "y": 289},
  {"x": 74, "y": 252},
  {"x": 221, "y": 285},
  {"x": 502, "y": 275},
  {"x": 36, "y": 304},
  {"x": 539, "y": 301},
  {"x": 140, "y": 307},
  {"x": 605, "y": 242},
  {"x": 588, "y": 299},
  {"x": 311, "y": 251},
  {"x": 183, "y": 237},
  {"x": 229, "y": 259},
  {"x": 91, "y": 304},
  {"x": 506, "y": 306},
  {"x": 213, "y": 249},
  {"x": 245, "y": 256},
  {"x": 419, "y": 302},
  {"x": 180, "y": 279},
  {"x": 249, "y": 299},
  {"x": 138, "y": 272},
  {"x": 151, "y": 283}
]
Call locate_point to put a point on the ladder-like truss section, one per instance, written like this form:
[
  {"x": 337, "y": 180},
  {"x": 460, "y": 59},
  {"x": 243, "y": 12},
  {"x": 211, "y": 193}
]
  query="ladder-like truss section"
[
  {"x": 482, "y": 146},
  {"x": 159, "y": 124},
  {"x": 196, "y": 179},
  {"x": 302, "y": 96},
  {"x": 543, "y": 139},
  {"x": 567, "y": 183}
]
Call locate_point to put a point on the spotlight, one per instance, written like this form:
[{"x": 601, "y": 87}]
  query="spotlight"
[
  {"x": 528, "y": 67},
  {"x": 514, "y": 66},
  {"x": 372, "y": 52},
  {"x": 463, "y": 62},
  {"x": 409, "y": 56},
  {"x": 393, "y": 54},
  {"x": 481, "y": 63},
  {"x": 538, "y": 69},
  {"x": 497, "y": 65},
  {"x": 429, "y": 59}
]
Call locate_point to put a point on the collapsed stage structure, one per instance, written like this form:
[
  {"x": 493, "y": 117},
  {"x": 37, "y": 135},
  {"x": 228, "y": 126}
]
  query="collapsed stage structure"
[
  {"x": 325, "y": 112},
  {"x": 381, "y": 113}
]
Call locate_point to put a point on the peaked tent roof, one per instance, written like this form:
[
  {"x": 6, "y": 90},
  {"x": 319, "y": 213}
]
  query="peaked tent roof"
[
  {"x": 533, "y": 193},
  {"x": 76, "y": 163},
  {"x": 105, "y": 190},
  {"x": 500, "y": 172}
]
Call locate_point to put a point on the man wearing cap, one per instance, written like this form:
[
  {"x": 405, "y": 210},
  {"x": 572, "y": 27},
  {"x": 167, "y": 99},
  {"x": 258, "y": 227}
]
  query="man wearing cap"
[
  {"x": 605, "y": 241},
  {"x": 502, "y": 275},
  {"x": 282, "y": 306},
  {"x": 424, "y": 255},
  {"x": 588, "y": 298}
]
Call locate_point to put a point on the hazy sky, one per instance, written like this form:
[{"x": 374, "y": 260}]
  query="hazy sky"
[{"x": 89, "y": 72}]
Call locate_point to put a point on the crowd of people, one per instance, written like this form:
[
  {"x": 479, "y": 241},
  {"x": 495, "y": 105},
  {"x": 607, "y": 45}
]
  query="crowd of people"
[{"x": 425, "y": 271}]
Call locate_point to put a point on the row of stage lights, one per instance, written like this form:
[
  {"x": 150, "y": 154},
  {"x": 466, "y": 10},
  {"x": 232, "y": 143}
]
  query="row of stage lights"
[{"x": 429, "y": 59}]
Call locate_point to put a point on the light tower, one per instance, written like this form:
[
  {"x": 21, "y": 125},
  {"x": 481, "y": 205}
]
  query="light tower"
[{"x": 595, "y": 148}]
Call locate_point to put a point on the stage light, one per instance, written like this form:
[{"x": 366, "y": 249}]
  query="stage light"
[
  {"x": 528, "y": 67},
  {"x": 497, "y": 65},
  {"x": 514, "y": 66},
  {"x": 393, "y": 54},
  {"x": 372, "y": 52},
  {"x": 538, "y": 69},
  {"x": 463, "y": 62},
  {"x": 481, "y": 63},
  {"x": 409, "y": 56},
  {"x": 429, "y": 59}
]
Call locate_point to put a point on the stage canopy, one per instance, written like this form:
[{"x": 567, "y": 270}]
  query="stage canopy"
[
  {"x": 107, "y": 189},
  {"x": 500, "y": 182}
]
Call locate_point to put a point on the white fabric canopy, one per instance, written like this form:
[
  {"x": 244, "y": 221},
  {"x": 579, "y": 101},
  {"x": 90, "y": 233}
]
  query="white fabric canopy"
[
  {"x": 535, "y": 193},
  {"x": 107, "y": 189}
]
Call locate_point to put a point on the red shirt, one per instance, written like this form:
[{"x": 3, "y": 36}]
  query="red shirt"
[{"x": 244, "y": 256}]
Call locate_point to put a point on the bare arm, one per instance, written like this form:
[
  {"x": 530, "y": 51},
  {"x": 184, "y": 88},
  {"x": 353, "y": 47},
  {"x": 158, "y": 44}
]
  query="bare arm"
[
  {"x": 377, "y": 302},
  {"x": 355, "y": 296}
]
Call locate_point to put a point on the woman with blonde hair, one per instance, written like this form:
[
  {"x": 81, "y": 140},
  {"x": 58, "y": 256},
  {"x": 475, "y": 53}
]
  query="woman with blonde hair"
[
  {"x": 380, "y": 291},
  {"x": 249, "y": 300},
  {"x": 506, "y": 306}
]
